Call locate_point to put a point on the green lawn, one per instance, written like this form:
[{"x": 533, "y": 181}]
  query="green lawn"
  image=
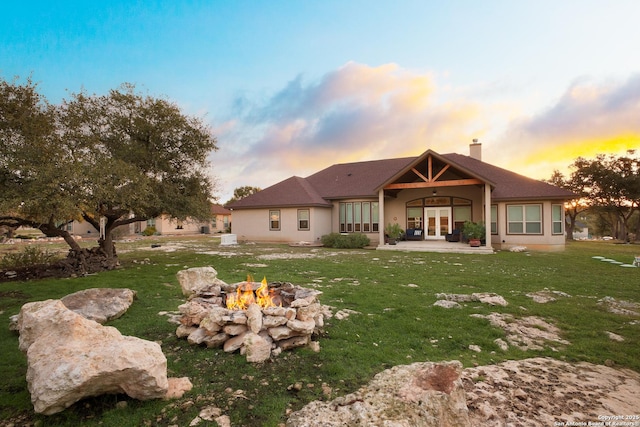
[{"x": 397, "y": 324}]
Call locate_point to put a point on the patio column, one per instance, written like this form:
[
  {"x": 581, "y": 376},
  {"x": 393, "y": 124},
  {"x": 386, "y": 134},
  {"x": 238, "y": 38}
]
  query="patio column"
[
  {"x": 381, "y": 223},
  {"x": 487, "y": 214}
]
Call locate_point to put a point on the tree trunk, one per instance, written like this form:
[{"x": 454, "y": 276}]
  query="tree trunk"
[{"x": 107, "y": 245}]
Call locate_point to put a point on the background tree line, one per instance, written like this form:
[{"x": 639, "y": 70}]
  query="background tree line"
[
  {"x": 609, "y": 195},
  {"x": 110, "y": 160}
]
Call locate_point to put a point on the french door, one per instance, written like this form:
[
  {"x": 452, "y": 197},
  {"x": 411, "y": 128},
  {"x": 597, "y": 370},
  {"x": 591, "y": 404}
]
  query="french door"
[{"x": 438, "y": 222}]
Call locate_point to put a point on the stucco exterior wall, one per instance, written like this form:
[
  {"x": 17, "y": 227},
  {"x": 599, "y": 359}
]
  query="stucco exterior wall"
[
  {"x": 545, "y": 242},
  {"x": 168, "y": 226},
  {"x": 253, "y": 225}
]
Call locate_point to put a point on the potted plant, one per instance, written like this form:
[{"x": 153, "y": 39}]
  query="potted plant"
[
  {"x": 393, "y": 232},
  {"x": 474, "y": 232}
]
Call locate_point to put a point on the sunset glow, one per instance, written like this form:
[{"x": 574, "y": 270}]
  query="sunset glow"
[{"x": 290, "y": 88}]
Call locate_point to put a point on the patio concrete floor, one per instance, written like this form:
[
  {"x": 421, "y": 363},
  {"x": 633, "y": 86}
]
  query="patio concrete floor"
[{"x": 439, "y": 246}]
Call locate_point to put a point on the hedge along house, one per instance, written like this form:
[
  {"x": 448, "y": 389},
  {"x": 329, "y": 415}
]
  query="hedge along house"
[{"x": 433, "y": 193}]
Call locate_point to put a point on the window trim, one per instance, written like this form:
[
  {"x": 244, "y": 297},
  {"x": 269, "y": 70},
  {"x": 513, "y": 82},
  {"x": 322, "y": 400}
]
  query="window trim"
[
  {"x": 271, "y": 221},
  {"x": 524, "y": 221},
  {"x": 561, "y": 220},
  {"x": 307, "y": 219}
]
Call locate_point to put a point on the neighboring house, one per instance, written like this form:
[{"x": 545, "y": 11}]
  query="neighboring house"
[
  {"x": 165, "y": 225},
  {"x": 220, "y": 219},
  {"x": 433, "y": 192}
]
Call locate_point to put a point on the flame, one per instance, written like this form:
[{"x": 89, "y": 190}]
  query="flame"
[{"x": 245, "y": 296}]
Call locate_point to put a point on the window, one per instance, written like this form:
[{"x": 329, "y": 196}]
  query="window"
[
  {"x": 461, "y": 214},
  {"x": 414, "y": 217},
  {"x": 303, "y": 219},
  {"x": 214, "y": 221},
  {"x": 366, "y": 217},
  {"x": 494, "y": 219},
  {"x": 274, "y": 220},
  {"x": 524, "y": 219},
  {"x": 358, "y": 217},
  {"x": 374, "y": 216},
  {"x": 556, "y": 219}
]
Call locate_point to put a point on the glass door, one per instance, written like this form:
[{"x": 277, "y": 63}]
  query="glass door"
[{"x": 438, "y": 221}]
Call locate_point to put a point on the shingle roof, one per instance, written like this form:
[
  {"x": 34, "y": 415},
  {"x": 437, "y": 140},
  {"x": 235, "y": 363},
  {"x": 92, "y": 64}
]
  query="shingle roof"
[
  {"x": 362, "y": 179},
  {"x": 510, "y": 185},
  {"x": 294, "y": 191},
  {"x": 217, "y": 209}
]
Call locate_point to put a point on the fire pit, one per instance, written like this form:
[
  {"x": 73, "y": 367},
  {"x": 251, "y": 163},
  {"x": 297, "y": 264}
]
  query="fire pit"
[{"x": 259, "y": 319}]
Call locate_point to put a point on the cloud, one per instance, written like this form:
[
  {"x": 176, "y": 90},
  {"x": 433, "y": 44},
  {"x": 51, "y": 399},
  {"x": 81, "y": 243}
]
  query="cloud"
[
  {"x": 588, "y": 119},
  {"x": 356, "y": 112},
  {"x": 359, "y": 112}
]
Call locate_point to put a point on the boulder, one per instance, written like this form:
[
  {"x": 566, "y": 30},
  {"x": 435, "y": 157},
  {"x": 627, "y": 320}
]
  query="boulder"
[
  {"x": 70, "y": 357},
  {"x": 100, "y": 304},
  {"x": 200, "y": 281},
  {"x": 421, "y": 395}
]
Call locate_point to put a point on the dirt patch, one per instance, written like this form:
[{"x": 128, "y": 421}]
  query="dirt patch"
[{"x": 544, "y": 391}]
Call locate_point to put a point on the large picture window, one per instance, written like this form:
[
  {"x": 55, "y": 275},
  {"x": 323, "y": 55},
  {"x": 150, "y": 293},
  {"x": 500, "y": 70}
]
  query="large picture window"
[
  {"x": 303, "y": 219},
  {"x": 557, "y": 220},
  {"x": 524, "y": 219},
  {"x": 359, "y": 217},
  {"x": 274, "y": 220}
]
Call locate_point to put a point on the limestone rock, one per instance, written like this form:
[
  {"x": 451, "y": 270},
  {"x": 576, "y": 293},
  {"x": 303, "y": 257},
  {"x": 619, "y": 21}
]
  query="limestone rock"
[
  {"x": 234, "y": 343},
  {"x": 70, "y": 357},
  {"x": 545, "y": 391},
  {"x": 257, "y": 348},
  {"x": 178, "y": 387},
  {"x": 446, "y": 304},
  {"x": 200, "y": 281},
  {"x": 421, "y": 395},
  {"x": 303, "y": 326},
  {"x": 254, "y": 318},
  {"x": 100, "y": 304}
]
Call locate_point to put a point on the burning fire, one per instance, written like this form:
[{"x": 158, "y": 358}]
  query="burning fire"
[{"x": 245, "y": 296}]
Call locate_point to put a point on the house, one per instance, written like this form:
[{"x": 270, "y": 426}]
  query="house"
[
  {"x": 165, "y": 225},
  {"x": 434, "y": 193}
]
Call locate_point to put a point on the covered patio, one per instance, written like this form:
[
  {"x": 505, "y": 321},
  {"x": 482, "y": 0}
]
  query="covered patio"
[{"x": 438, "y": 246}]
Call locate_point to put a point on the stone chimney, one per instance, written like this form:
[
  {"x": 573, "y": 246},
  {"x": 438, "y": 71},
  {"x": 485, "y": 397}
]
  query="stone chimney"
[{"x": 475, "y": 150}]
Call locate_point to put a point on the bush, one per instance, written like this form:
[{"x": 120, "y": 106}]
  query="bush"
[
  {"x": 345, "y": 241},
  {"x": 149, "y": 231},
  {"x": 31, "y": 255}
]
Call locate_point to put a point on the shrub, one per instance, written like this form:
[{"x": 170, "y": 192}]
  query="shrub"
[
  {"x": 345, "y": 241},
  {"x": 31, "y": 255},
  {"x": 149, "y": 231}
]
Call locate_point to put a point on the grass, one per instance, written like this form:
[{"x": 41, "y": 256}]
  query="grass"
[{"x": 397, "y": 324}]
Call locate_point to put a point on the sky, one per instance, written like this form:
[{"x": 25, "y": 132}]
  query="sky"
[{"x": 292, "y": 87}]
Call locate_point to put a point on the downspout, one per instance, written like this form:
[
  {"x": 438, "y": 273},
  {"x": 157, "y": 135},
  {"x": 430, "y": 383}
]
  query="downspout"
[
  {"x": 381, "y": 223},
  {"x": 487, "y": 215}
]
